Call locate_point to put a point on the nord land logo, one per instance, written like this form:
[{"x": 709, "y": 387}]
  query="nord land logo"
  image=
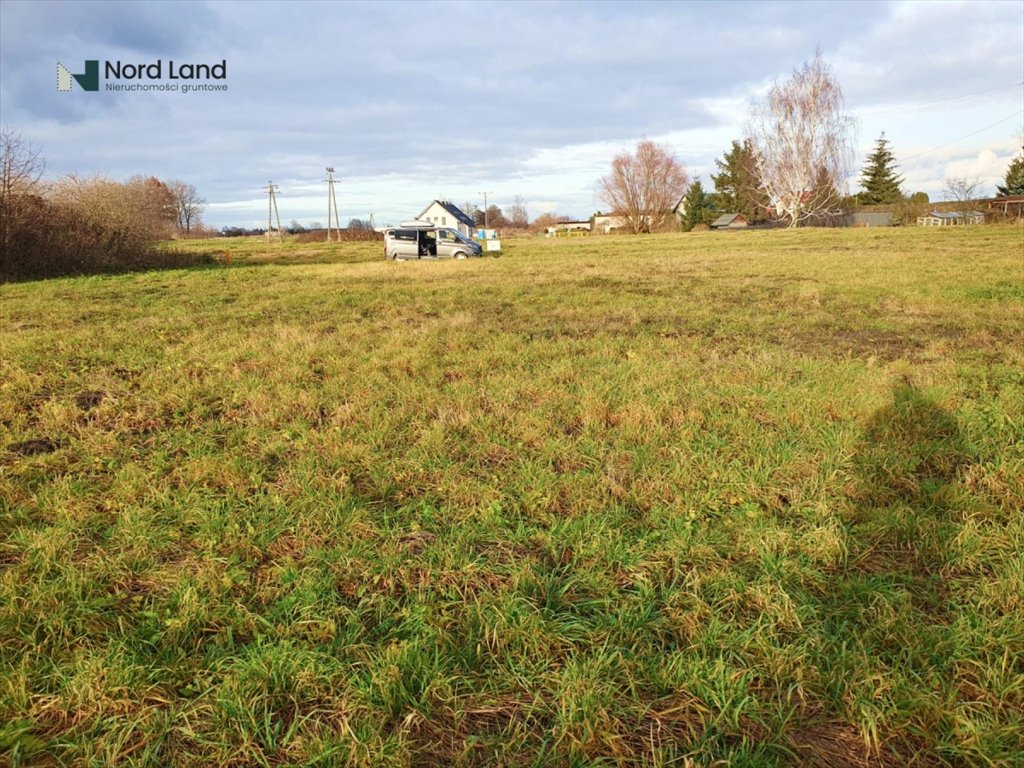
[
  {"x": 90, "y": 81},
  {"x": 131, "y": 78}
]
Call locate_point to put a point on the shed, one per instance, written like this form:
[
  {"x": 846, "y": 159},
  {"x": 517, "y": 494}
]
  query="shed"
[
  {"x": 869, "y": 219},
  {"x": 730, "y": 221},
  {"x": 1008, "y": 205},
  {"x": 950, "y": 218}
]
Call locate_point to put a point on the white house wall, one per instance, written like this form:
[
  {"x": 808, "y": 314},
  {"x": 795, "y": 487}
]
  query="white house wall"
[{"x": 438, "y": 215}]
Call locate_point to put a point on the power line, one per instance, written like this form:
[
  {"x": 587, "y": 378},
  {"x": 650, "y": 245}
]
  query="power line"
[
  {"x": 916, "y": 107},
  {"x": 965, "y": 136}
]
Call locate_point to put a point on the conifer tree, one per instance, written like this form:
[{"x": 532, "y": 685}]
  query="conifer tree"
[
  {"x": 1014, "y": 182},
  {"x": 737, "y": 186},
  {"x": 698, "y": 206},
  {"x": 879, "y": 179}
]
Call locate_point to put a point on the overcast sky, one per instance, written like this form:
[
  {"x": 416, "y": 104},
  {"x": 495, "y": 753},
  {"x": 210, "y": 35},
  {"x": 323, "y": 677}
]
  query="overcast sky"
[{"x": 410, "y": 102}]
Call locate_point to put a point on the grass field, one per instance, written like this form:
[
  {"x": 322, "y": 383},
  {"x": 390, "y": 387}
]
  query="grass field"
[{"x": 745, "y": 499}]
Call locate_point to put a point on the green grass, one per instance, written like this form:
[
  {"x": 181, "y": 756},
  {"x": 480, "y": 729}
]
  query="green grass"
[{"x": 669, "y": 500}]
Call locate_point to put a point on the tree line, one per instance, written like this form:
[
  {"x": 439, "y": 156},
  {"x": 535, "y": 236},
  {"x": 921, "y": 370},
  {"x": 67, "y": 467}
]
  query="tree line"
[
  {"x": 79, "y": 224},
  {"x": 790, "y": 168}
]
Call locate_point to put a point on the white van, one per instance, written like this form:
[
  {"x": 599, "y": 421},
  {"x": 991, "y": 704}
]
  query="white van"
[{"x": 425, "y": 240}]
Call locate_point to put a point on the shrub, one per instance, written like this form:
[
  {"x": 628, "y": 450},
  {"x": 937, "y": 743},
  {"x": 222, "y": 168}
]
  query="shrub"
[
  {"x": 51, "y": 239},
  {"x": 84, "y": 226}
]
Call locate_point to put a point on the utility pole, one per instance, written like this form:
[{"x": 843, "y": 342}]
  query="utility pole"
[
  {"x": 331, "y": 199},
  {"x": 330, "y": 187},
  {"x": 272, "y": 211},
  {"x": 485, "y": 194}
]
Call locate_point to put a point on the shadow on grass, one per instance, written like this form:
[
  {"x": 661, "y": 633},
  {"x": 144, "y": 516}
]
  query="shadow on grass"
[
  {"x": 910, "y": 450},
  {"x": 153, "y": 260},
  {"x": 891, "y": 608},
  {"x": 907, "y": 464},
  {"x": 235, "y": 253}
]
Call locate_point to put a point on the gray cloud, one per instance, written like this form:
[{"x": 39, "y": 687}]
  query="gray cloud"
[{"x": 451, "y": 98}]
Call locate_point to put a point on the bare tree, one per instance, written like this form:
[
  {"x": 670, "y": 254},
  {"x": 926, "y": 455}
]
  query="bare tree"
[
  {"x": 189, "y": 204},
  {"x": 21, "y": 167},
  {"x": 545, "y": 220},
  {"x": 471, "y": 210},
  {"x": 516, "y": 214},
  {"x": 802, "y": 138},
  {"x": 644, "y": 188},
  {"x": 961, "y": 190}
]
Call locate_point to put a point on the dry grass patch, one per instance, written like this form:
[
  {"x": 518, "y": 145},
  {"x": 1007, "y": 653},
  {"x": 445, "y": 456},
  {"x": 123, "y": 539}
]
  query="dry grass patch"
[{"x": 672, "y": 500}]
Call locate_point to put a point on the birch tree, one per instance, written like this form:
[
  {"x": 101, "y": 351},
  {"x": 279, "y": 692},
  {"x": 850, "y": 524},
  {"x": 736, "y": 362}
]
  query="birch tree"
[{"x": 802, "y": 138}]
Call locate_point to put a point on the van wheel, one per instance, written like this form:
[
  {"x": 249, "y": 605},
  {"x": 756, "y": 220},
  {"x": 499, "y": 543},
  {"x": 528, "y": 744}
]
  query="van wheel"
[{"x": 460, "y": 255}]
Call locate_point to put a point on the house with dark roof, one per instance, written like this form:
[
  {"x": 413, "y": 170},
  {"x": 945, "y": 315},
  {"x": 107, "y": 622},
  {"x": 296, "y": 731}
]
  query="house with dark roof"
[{"x": 444, "y": 213}]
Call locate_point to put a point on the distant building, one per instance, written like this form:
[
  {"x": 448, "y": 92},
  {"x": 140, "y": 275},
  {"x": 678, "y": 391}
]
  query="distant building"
[
  {"x": 864, "y": 219},
  {"x": 1007, "y": 205},
  {"x": 871, "y": 219},
  {"x": 680, "y": 209},
  {"x": 568, "y": 229},
  {"x": 607, "y": 223},
  {"x": 730, "y": 221},
  {"x": 444, "y": 213},
  {"x": 950, "y": 218}
]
